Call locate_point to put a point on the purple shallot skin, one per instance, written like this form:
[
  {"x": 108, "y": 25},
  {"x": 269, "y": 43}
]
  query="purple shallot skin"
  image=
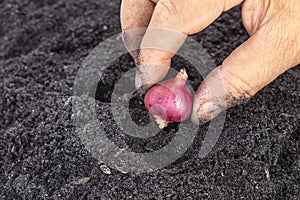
[{"x": 170, "y": 100}]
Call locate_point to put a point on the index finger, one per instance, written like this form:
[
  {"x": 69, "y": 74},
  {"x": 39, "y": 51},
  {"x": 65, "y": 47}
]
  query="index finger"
[{"x": 135, "y": 17}]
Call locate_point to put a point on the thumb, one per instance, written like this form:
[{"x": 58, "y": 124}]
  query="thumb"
[
  {"x": 171, "y": 22},
  {"x": 253, "y": 65}
]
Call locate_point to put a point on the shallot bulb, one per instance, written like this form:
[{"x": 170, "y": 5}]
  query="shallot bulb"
[{"x": 170, "y": 100}]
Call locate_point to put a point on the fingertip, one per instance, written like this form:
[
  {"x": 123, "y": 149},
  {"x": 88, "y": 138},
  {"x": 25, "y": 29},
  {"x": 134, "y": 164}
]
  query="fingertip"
[
  {"x": 141, "y": 84},
  {"x": 205, "y": 113},
  {"x": 210, "y": 99},
  {"x": 148, "y": 75},
  {"x": 194, "y": 118},
  {"x": 208, "y": 111}
]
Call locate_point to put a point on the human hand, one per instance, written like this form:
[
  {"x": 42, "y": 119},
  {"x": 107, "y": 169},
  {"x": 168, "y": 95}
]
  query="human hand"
[{"x": 273, "y": 48}]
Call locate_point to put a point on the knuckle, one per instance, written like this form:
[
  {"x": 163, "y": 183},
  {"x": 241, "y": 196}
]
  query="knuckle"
[
  {"x": 164, "y": 8},
  {"x": 168, "y": 10}
]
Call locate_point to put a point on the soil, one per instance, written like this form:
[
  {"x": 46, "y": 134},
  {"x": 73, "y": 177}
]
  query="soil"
[{"x": 42, "y": 46}]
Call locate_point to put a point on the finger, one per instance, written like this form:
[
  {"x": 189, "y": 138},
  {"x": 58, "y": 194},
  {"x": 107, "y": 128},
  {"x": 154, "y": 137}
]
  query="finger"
[
  {"x": 256, "y": 63},
  {"x": 135, "y": 17},
  {"x": 171, "y": 22}
]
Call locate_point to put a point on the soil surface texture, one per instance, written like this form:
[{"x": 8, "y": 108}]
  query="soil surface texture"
[{"x": 42, "y": 46}]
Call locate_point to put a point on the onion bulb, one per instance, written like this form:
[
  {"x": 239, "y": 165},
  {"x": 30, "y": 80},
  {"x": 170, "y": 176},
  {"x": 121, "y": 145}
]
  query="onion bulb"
[{"x": 170, "y": 100}]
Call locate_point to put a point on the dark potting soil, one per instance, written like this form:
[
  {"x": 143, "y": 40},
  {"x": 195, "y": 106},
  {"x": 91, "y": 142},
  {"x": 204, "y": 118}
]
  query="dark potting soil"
[{"x": 42, "y": 46}]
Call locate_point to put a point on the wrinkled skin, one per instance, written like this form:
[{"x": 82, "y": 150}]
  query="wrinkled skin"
[{"x": 273, "y": 48}]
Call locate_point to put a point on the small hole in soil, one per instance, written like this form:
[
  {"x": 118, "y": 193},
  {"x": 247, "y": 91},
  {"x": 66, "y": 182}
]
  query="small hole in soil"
[{"x": 137, "y": 110}]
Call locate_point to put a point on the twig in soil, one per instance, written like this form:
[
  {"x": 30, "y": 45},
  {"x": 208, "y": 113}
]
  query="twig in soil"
[
  {"x": 99, "y": 162},
  {"x": 81, "y": 181},
  {"x": 13, "y": 149},
  {"x": 244, "y": 146},
  {"x": 120, "y": 151},
  {"x": 267, "y": 173}
]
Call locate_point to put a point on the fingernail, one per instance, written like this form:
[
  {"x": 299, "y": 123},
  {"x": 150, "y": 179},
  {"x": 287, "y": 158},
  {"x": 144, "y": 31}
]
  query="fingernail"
[
  {"x": 143, "y": 89},
  {"x": 140, "y": 84},
  {"x": 139, "y": 81},
  {"x": 208, "y": 111}
]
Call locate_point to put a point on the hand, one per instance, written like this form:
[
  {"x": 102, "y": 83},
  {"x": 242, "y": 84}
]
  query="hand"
[{"x": 273, "y": 48}]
